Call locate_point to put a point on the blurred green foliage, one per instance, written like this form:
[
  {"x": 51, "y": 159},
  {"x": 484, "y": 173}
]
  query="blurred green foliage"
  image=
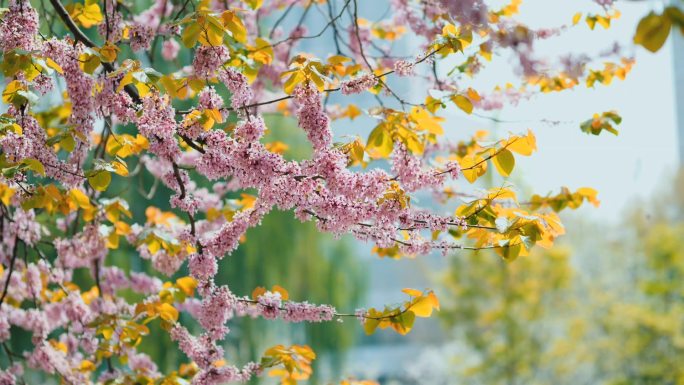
[{"x": 611, "y": 311}]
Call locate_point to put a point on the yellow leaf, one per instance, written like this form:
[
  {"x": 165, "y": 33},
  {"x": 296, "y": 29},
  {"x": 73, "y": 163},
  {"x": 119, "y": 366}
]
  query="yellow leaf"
[
  {"x": 523, "y": 145},
  {"x": 379, "y": 144},
  {"x": 187, "y": 285},
  {"x": 79, "y": 198},
  {"x": 34, "y": 165},
  {"x": 576, "y": 18},
  {"x": 107, "y": 332},
  {"x": 233, "y": 23},
  {"x": 463, "y": 103},
  {"x": 422, "y": 306},
  {"x": 109, "y": 52},
  {"x": 426, "y": 121},
  {"x": 504, "y": 162},
  {"x": 191, "y": 34},
  {"x": 167, "y": 312},
  {"x": 120, "y": 167},
  {"x": 412, "y": 292},
  {"x": 283, "y": 293},
  {"x": 652, "y": 31},
  {"x": 258, "y": 292},
  {"x": 291, "y": 83},
  {"x": 254, "y": 4},
  {"x": 51, "y": 63},
  {"x": 100, "y": 180},
  {"x": 473, "y": 167},
  {"x": 11, "y": 90}
]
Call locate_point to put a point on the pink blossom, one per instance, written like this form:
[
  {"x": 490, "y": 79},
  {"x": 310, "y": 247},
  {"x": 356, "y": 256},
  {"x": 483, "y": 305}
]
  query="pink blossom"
[
  {"x": 404, "y": 68},
  {"x": 312, "y": 118},
  {"x": 140, "y": 36},
  {"x": 209, "y": 59},
  {"x": 19, "y": 27},
  {"x": 170, "y": 49},
  {"x": 359, "y": 84}
]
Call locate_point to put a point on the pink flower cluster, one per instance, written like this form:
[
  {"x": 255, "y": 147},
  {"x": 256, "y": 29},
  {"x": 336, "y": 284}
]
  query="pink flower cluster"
[
  {"x": 359, "y": 84},
  {"x": 312, "y": 118},
  {"x": 208, "y": 60},
  {"x": 19, "y": 27}
]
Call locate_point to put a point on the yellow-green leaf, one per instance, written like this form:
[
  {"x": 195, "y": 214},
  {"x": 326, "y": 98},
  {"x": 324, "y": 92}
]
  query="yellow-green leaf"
[
  {"x": 34, "y": 165},
  {"x": 652, "y": 31},
  {"x": 100, "y": 180},
  {"x": 504, "y": 162},
  {"x": 463, "y": 103}
]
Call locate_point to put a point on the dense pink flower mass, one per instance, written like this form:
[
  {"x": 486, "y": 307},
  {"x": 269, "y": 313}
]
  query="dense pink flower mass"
[
  {"x": 19, "y": 29},
  {"x": 96, "y": 129}
]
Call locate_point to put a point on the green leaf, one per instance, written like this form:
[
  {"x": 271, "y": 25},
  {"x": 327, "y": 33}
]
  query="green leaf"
[{"x": 504, "y": 162}]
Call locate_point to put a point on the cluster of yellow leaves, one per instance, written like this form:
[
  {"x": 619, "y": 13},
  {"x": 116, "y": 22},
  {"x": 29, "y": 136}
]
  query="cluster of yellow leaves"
[
  {"x": 232, "y": 206},
  {"x": 30, "y": 64},
  {"x": 395, "y": 194},
  {"x": 86, "y": 14},
  {"x": 210, "y": 28},
  {"x": 118, "y": 336},
  {"x": 563, "y": 81},
  {"x": 601, "y": 122},
  {"x": 602, "y": 20},
  {"x": 206, "y": 118},
  {"x": 386, "y": 31},
  {"x": 610, "y": 71},
  {"x": 259, "y": 291},
  {"x": 453, "y": 39},
  {"x": 163, "y": 308},
  {"x": 295, "y": 360},
  {"x": 158, "y": 236},
  {"x": 53, "y": 199},
  {"x": 9, "y": 124},
  {"x": 401, "y": 318},
  {"x": 277, "y": 147},
  {"x": 414, "y": 129},
  {"x": 654, "y": 28},
  {"x": 304, "y": 68},
  {"x": 181, "y": 87},
  {"x": 564, "y": 199},
  {"x": 125, "y": 145},
  {"x": 517, "y": 230},
  {"x": 472, "y": 157},
  {"x": 508, "y": 10}
]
